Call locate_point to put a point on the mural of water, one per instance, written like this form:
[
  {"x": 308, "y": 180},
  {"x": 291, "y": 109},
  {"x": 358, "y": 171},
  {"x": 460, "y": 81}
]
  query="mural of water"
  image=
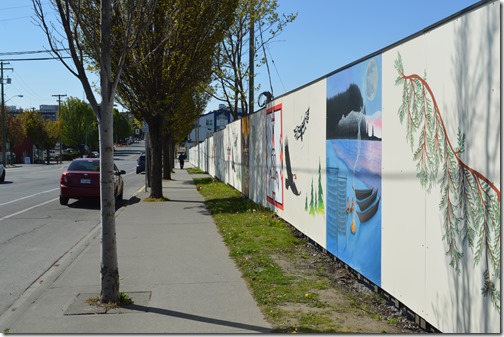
[
  {"x": 353, "y": 162},
  {"x": 355, "y": 241}
]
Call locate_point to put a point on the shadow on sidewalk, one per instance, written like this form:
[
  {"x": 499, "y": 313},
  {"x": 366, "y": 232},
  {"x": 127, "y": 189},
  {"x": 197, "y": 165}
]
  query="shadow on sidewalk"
[{"x": 203, "y": 319}]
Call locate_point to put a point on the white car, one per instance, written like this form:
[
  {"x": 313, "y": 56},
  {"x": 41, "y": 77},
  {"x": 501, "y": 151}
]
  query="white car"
[{"x": 2, "y": 173}]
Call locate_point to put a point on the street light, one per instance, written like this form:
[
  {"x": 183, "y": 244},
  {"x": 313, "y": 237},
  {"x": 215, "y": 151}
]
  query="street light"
[
  {"x": 13, "y": 97},
  {"x": 4, "y": 138}
]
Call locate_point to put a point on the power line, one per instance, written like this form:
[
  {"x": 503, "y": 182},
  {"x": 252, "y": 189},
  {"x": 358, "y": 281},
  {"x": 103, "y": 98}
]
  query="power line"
[
  {"x": 266, "y": 58},
  {"x": 12, "y": 19},
  {"x": 20, "y": 85},
  {"x": 7, "y": 8},
  {"x": 36, "y": 59},
  {"x": 276, "y": 69},
  {"x": 30, "y": 52}
]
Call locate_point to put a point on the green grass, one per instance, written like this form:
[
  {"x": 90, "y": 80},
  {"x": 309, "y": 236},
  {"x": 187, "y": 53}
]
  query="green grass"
[
  {"x": 162, "y": 199},
  {"x": 124, "y": 299},
  {"x": 253, "y": 235},
  {"x": 195, "y": 170},
  {"x": 288, "y": 295},
  {"x": 256, "y": 237}
]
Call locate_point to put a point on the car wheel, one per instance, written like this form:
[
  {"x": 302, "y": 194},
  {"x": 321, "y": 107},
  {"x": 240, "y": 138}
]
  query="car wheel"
[
  {"x": 137, "y": 170},
  {"x": 2, "y": 178},
  {"x": 64, "y": 200}
]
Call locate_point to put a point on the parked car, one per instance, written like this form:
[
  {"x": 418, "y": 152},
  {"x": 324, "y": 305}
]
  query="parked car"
[
  {"x": 140, "y": 164},
  {"x": 53, "y": 155},
  {"x": 82, "y": 180},
  {"x": 2, "y": 173},
  {"x": 70, "y": 154}
]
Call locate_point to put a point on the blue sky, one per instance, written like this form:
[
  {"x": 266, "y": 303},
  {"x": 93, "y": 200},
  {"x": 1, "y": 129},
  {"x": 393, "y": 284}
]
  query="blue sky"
[{"x": 327, "y": 35}]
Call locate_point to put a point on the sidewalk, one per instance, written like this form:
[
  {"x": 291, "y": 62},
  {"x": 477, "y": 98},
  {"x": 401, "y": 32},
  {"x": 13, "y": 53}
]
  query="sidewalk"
[{"x": 172, "y": 263}]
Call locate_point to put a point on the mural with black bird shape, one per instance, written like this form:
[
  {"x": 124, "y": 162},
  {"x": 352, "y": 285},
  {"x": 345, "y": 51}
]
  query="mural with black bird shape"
[
  {"x": 289, "y": 181},
  {"x": 300, "y": 129}
]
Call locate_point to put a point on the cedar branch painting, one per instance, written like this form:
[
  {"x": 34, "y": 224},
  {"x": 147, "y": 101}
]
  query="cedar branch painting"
[{"x": 470, "y": 202}]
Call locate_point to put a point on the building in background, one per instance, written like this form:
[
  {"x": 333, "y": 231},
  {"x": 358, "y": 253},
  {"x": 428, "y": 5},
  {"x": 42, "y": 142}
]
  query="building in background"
[
  {"x": 209, "y": 123},
  {"x": 14, "y": 110},
  {"x": 49, "y": 112}
]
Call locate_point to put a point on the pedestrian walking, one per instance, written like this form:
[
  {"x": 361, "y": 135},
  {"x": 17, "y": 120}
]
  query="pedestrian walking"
[{"x": 181, "y": 160}]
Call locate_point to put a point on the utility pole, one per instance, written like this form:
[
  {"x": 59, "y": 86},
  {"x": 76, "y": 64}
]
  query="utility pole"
[
  {"x": 251, "y": 63},
  {"x": 61, "y": 128},
  {"x": 4, "y": 142}
]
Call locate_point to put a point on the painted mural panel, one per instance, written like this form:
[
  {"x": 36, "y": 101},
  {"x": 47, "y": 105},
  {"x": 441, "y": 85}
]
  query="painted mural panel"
[
  {"x": 304, "y": 160},
  {"x": 445, "y": 113},
  {"x": 274, "y": 157},
  {"x": 227, "y": 154},
  {"x": 220, "y": 155},
  {"x": 233, "y": 154},
  {"x": 211, "y": 156},
  {"x": 353, "y": 151},
  {"x": 245, "y": 140},
  {"x": 257, "y": 161}
]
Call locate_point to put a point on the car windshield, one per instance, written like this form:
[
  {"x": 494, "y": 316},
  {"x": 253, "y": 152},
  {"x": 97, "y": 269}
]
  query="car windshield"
[{"x": 82, "y": 165}]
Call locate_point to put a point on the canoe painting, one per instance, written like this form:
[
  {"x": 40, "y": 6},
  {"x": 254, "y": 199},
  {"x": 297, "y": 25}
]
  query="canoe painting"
[
  {"x": 366, "y": 202},
  {"x": 368, "y": 213},
  {"x": 362, "y": 194}
]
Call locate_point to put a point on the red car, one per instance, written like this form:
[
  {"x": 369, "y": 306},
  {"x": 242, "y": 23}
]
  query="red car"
[{"x": 82, "y": 180}]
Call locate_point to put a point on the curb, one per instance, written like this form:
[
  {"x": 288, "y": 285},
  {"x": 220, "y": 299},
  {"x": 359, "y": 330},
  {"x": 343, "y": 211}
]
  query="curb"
[{"x": 41, "y": 284}]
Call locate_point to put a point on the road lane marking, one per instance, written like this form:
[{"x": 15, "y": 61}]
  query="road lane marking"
[
  {"x": 28, "y": 209},
  {"x": 29, "y": 196}
]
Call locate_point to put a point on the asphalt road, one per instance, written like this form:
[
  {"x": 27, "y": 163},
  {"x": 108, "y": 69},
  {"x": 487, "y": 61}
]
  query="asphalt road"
[{"x": 36, "y": 231}]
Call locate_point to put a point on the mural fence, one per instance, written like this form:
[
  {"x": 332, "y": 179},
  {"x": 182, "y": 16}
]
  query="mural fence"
[{"x": 391, "y": 164}]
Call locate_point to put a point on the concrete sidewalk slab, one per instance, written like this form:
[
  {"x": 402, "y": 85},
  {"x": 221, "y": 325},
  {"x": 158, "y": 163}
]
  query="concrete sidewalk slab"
[{"x": 173, "y": 263}]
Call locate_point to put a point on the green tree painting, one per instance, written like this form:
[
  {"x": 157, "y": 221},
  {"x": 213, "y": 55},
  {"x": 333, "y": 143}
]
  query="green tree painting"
[
  {"x": 316, "y": 205},
  {"x": 312, "y": 200},
  {"x": 320, "y": 192},
  {"x": 470, "y": 202}
]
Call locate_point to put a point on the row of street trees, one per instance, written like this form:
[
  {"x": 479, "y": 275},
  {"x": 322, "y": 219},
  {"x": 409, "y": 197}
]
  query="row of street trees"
[
  {"x": 76, "y": 125},
  {"x": 30, "y": 124},
  {"x": 80, "y": 126},
  {"x": 157, "y": 58}
]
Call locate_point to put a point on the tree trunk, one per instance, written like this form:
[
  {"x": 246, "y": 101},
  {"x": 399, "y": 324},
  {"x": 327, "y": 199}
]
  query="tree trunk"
[
  {"x": 78, "y": 26},
  {"x": 167, "y": 157},
  {"x": 109, "y": 265},
  {"x": 155, "y": 133},
  {"x": 173, "y": 154}
]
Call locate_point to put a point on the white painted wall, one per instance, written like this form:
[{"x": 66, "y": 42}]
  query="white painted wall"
[
  {"x": 461, "y": 61},
  {"x": 462, "y": 70},
  {"x": 304, "y": 112}
]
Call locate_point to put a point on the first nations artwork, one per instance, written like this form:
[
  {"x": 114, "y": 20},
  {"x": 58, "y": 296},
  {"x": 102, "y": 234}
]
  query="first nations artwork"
[
  {"x": 470, "y": 202},
  {"x": 353, "y": 161},
  {"x": 274, "y": 157}
]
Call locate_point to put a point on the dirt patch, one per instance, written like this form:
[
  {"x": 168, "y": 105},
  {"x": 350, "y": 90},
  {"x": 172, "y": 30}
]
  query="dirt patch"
[{"x": 347, "y": 305}]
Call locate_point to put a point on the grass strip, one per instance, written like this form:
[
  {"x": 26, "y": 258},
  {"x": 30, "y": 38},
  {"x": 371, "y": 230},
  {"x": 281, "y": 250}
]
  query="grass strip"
[{"x": 258, "y": 241}]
